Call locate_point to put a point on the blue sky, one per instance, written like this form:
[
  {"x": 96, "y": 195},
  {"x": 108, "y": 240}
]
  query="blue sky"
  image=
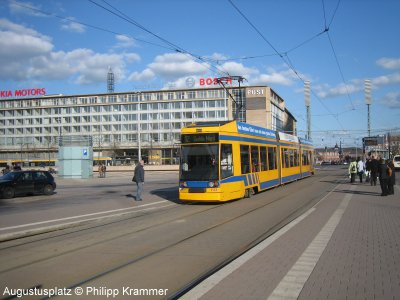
[{"x": 66, "y": 47}]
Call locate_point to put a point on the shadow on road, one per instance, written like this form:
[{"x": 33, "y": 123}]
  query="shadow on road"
[
  {"x": 378, "y": 193},
  {"x": 170, "y": 194}
]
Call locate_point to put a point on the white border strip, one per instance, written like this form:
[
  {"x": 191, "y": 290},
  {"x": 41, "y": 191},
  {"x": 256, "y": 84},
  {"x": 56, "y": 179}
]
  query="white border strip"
[{"x": 293, "y": 282}]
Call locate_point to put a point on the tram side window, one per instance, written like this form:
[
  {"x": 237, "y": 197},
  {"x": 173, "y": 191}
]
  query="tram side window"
[
  {"x": 305, "y": 158},
  {"x": 296, "y": 158},
  {"x": 226, "y": 161},
  {"x": 263, "y": 159},
  {"x": 244, "y": 159},
  {"x": 285, "y": 158},
  {"x": 254, "y": 159},
  {"x": 272, "y": 158}
]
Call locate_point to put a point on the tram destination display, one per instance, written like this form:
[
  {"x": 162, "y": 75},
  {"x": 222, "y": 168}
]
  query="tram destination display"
[{"x": 199, "y": 138}]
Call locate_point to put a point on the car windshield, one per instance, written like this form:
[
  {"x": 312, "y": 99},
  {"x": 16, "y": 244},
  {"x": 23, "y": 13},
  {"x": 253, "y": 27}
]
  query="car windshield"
[
  {"x": 200, "y": 162},
  {"x": 397, "y": 158}
]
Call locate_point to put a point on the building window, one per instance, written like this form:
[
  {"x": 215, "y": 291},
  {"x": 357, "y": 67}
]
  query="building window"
[
  {"x": 160, "y": 96},
  {"x": 180, "y": 95}
]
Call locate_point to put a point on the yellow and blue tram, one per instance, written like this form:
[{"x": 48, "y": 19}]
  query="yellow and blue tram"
[{"x": 222, "y": 161}]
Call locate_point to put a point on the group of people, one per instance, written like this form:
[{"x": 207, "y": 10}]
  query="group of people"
[
  {"x": 138, "y": 177},
  {"x": 102, "y": 169},
  {"x": 7, "y": 169},
  {"x": 373, "y": 169}
]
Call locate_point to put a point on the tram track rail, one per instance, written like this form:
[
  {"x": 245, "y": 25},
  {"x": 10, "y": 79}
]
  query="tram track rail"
[
  {"x": 131, "y": 262},
  {"x": 248, "y": 247}
]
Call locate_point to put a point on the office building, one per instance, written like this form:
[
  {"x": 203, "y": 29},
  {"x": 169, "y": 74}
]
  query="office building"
[{"x": 122, "y": 123}]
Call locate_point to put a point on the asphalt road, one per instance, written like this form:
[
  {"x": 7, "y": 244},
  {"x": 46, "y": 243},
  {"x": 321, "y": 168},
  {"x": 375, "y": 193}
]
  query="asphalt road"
[{"x": 158, "y": 244}]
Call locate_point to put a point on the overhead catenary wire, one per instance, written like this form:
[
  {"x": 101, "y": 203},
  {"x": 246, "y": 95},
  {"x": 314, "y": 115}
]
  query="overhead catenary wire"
[
  {"x": 284, "y": 57},
  {"x": 50, "y": 14},
  {"x": 115, "y": 11}
]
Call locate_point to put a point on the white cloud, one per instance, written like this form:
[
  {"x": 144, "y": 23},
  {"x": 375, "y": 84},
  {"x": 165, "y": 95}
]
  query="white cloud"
[
  {"x": 274, "y": 77},
  {"x": 217, "y": 57},
  {"x": 18, "y": 45},
  {"x": 391, "y": 100},
  {"x": 132, "y": 57},
  {"x": 386, "y": 80},
  {"x": 389, "y": 63},
  {"x": 20, "y": 7},
  {"x": 340, "y": 89},
  {"x": 71, "y": 26},
  {"x": 124, "y": 41},
  {"x": 356, "y": 85},
  {"x": 27, "y": 55},
  {"x": 175, "y": 65},
  {"x": 238, "y": 69},
  {"x": 170, "y": 67},
  {"x": 145, "y": 75}
]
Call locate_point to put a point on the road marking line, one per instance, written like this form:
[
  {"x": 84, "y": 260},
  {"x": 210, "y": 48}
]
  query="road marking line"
[
  {"x": 80, "y": 216},
  {"x": 293, "y": 282}
]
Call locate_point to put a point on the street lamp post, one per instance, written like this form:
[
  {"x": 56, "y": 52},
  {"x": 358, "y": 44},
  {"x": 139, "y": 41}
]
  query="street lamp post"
[{"x": 336, "y": 148}]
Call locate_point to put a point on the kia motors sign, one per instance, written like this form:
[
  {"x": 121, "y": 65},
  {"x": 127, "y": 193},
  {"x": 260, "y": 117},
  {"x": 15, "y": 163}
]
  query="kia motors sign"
[{"x": 23, "y": 93}]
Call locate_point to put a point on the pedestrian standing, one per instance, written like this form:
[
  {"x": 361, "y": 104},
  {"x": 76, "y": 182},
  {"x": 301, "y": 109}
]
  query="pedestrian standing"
[
  {"x": 392, "y": 178},
  {"x": 100, "y": 170},
  {"x": 374, "y": 164},
  {"x": 383, "y": 176},
  {"x": 353, "y": 171},
  {"x": 368, "y": 170},
  {"x": 138, "y": 177},
  {"x": 360, "y": 168},
  {"x": 104, "y": 170},
  {"x": 6, "y": 170}
]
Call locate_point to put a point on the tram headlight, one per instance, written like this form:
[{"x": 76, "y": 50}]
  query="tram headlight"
[
  {"x": 213, "y": 184},
  {"x": 183, "y": 184}
]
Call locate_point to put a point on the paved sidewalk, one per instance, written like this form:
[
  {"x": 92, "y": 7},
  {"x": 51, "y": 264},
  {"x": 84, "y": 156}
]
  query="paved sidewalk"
[{"x": 346, "y": 247}]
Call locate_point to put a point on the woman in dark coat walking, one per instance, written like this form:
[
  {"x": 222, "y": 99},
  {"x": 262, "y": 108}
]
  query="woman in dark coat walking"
[
  {"x": 383, "y": 176},
  {"x": 391, "y": 179}
]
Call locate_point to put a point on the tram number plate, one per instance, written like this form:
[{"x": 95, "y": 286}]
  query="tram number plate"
[{"x": 197, "y": 190}]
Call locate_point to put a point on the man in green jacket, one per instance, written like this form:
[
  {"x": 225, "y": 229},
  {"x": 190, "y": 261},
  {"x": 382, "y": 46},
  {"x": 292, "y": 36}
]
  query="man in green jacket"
[{"x": 353, "y": 171}]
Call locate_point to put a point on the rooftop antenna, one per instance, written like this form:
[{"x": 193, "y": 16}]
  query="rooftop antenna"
[
  {"x": 110, "y": 81},
  {"x": 239, "y": 105}
]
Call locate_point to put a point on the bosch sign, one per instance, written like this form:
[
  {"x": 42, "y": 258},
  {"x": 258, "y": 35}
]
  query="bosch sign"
[
  {"x": 23, "y": 93},
  {"x": 214, "y": 81}
]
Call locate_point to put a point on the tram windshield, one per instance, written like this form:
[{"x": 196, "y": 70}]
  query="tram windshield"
[{"x": 199, "y": 162}]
